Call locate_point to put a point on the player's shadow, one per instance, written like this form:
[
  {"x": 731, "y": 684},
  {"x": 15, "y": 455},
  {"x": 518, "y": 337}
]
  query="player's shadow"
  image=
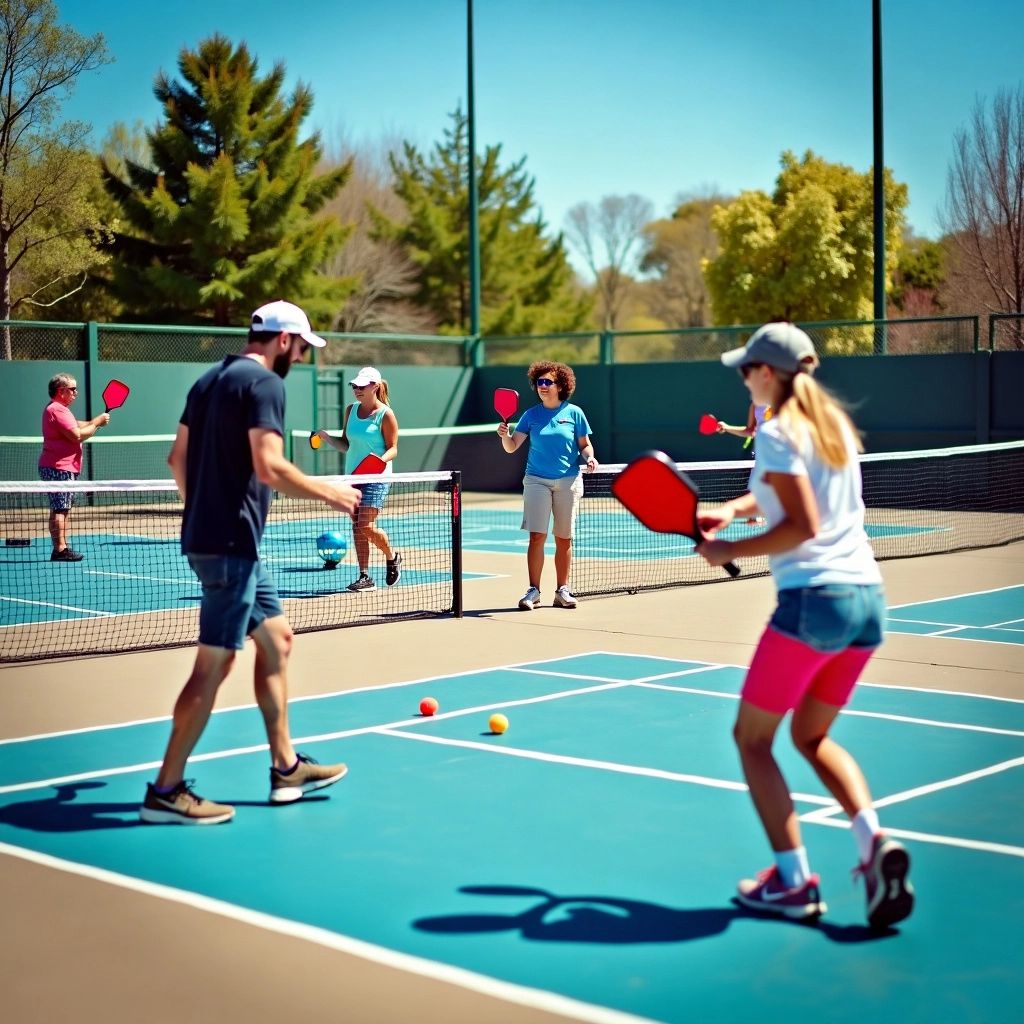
[
  {"x": 609, "y": 920},
  {"x": 62, "y": 811}
]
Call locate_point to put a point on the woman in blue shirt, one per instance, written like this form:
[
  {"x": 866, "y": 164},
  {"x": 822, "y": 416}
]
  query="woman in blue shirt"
[{"x": 559, "y": 435}]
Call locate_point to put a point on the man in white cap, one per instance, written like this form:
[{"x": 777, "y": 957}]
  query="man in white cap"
[{"x": 227, "y": 459}]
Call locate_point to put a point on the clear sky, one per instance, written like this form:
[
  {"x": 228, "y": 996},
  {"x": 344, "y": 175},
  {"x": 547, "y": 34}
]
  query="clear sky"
[{"x": 656, "y": 97}]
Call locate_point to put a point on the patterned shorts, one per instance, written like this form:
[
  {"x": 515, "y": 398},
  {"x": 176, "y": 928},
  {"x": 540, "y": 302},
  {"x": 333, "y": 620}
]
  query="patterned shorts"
[{"x": 60, "y": 501}]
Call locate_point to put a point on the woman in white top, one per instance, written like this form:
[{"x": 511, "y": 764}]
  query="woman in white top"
[
  {"x": 828, "y": 623},
  {"x": 370, "y": 428}
]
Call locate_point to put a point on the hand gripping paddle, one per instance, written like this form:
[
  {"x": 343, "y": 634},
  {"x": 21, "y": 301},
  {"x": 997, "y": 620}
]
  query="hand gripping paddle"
[
  {"x": 506, "y": 402},
  {"x": 115, "y": 394},
  {"x": 662, "y": 498}
]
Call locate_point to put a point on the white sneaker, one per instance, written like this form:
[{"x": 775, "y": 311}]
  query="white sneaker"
[
  {"x": 563, "y": 599},
  {"x": 530, "y": 599}
]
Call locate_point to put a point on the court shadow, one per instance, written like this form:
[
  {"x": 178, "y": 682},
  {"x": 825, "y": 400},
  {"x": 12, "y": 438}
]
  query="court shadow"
[
  {"x": 613, "y": 921},
  {"x": 63, "y": 812}
]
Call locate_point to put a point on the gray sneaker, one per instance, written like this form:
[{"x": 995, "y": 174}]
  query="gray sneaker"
[
  {"x": 564, "y": 599},
  {"x": 530, "y": 599},
  {"x": 182, "y": 806},
  {"x": 306, "y": 776},
  {"x": 890, "y": 896},
  {"x": 365, "y": 582}
]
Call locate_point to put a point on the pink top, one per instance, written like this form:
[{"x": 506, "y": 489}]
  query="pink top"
[{"x": 58, "y": 452}]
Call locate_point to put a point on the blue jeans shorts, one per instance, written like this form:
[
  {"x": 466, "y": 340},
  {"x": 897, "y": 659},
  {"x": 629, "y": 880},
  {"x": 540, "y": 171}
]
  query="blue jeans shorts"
[
  {"x": 238, "y": 595},
  {"x": 832, "y": 617},
  {"x": 374, "y": 495}
]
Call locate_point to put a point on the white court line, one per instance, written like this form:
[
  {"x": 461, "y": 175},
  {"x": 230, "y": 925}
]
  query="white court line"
[
  {"x": 587, "y": 762},
  {"x": 180, "y": 580},
  {"x": 956, "y": 597},
  {"x": 929, "y": 837},
  {"x": 519, "y": 995},
  {"x": 52, "y": 604}
]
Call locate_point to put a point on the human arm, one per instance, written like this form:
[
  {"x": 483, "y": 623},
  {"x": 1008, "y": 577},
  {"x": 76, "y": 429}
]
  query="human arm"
[
  {"x": 512, "y": 440},
  {"x": 273, "y": 469},
  {"x": 74, "y": 430},
  {"x": 799, "y": 521},
  {"x": 339, "y": 444},
  {"x": 587, "y": 451},
  {"x": 389, "y": 431},
  {"x": 177, "y": 459},
  {"x": 748, "y": 431}
]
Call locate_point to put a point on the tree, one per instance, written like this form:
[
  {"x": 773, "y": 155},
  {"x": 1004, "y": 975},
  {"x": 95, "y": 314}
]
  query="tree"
[
  {"x": 984, "y": 211},
  {"x": 48, "y": 226},
  {"x": 526, "y": 281},
  {"x": 224, "y": 217},
  {"x": 676, "y": 251},
  {"x": 609, "y": 237},
  {"x": 806, "y": 251},
  {"x": 920, "y": 273}
]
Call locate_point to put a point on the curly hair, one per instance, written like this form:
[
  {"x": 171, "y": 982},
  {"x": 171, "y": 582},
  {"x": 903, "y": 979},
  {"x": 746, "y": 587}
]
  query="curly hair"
[{"x": 562, "y": 374}]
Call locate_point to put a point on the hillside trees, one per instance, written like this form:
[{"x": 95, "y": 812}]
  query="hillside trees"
[
  {"x": 225, "y": 215},
  {"x": 806, "y": 251},
  {"x": 526, "y": 279}
]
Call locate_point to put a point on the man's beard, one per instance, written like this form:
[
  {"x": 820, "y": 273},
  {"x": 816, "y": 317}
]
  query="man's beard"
[{"x": 282, "y": 364}]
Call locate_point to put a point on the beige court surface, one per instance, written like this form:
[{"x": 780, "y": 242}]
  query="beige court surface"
[{"x": 79, "y": 949}]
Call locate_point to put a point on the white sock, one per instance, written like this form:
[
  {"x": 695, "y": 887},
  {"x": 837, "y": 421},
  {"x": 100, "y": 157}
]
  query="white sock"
[
  {"x": 865, "y": 828},
  {"x": 793, "y": 866}
]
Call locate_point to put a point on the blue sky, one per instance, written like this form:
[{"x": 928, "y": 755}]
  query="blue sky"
[{"x": 656, "y": 97}]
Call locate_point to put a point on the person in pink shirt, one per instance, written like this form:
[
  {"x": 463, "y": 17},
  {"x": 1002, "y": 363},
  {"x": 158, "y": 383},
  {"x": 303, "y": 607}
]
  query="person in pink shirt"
[{"x": 61, "y": 457}]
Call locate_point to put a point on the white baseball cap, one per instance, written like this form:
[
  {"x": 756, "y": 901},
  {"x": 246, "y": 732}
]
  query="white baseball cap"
[
  {"x": 279, "y": 316},
  {"x": 782, "y": 345},
  {"x": 367, "y": 375}
]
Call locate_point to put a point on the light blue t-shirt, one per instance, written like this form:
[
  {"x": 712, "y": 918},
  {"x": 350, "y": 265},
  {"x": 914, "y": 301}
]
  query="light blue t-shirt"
[
  {"x": 554, "y": 440},
  {"x": 365, "y": 437}
]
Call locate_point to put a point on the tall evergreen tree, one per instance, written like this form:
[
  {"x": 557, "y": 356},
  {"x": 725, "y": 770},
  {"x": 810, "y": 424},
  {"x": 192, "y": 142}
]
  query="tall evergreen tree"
[
  {"x": 223, "y": 217},
  {"x": 526, "y": 282}
]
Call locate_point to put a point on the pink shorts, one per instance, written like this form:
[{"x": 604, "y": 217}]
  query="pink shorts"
[{"x": 784, "y": 671}]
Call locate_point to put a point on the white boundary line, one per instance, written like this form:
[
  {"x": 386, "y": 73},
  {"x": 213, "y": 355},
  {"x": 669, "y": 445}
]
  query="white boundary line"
[{"x": 520, "y": 995}]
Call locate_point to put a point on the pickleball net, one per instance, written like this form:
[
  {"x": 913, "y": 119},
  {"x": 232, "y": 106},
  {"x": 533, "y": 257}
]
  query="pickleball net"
[
  {"x": 134, "y": 590},
  {"x": 926, "y": 502}
]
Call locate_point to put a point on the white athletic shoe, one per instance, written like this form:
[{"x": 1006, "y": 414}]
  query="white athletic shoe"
[
  {"x": 530, "y": 599},
  {"x": 563, "y": 599}
]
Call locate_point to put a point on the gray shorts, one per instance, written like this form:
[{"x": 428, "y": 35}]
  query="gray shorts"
[{"x": 544, "y": 499}]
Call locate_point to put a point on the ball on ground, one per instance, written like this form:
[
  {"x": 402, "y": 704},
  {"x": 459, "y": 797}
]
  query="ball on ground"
[
  {"x": 428, "y": 706},
  {"x": 498, "y": 724}
]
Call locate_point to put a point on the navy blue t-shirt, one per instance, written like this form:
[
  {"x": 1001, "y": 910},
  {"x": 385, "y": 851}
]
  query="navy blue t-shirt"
[{"x": 225, "y": 504}]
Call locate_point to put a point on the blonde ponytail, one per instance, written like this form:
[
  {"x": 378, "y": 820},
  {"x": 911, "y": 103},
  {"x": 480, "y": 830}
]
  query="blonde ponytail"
[
  {"x": 808, "y": 406},
  {"x": 382, "y": 392}
]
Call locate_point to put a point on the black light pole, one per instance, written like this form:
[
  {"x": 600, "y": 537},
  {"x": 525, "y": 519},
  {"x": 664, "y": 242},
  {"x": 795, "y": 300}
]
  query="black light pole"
[
  {"x": 474, "y": 230},
  {"x": 879, "y": 176}
]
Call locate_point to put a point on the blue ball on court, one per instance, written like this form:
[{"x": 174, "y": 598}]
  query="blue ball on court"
[{"x": 331, "y": 547}]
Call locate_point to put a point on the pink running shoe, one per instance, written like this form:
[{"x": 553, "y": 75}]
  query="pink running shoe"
[
  {"x": 890, "y": 895},
  {"x": 767, "y": 894}
]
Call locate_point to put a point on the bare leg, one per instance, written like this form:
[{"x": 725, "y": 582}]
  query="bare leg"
[
  {"x": 563, "y": 560},
  {"x": 372, "y": 533},
  {"x": 273, "y": 639},
  {"x": 754, "y": 733},
  {"x": 59, "y": 530},
  {"x": 535, "y": 558},
  {"x": 835, "y": 767},
  {"x": 192, "y": 710}
]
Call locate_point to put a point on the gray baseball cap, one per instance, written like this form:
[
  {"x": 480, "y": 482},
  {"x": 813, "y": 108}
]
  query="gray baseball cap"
[{"x": 782, "y": 345}]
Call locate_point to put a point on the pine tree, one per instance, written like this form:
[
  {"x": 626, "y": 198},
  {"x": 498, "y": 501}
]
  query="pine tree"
[
  {"x": 526, "y": 281},
  {"x": 223, "y": 216}
]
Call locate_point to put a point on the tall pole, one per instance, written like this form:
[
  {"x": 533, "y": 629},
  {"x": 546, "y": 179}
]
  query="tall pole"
[
  {"x": 879, "y": 175},
  {"x": 474, "y": 229}
]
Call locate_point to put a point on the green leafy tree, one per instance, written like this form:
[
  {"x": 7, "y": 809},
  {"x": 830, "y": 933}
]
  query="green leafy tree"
[
  {"x": 49, "y": 228},
  {"x": 920, "y": 273},
  {"x": 526, "y": 280},
  {"x": 224, "y": 216},
  {"x": 806, "y": 252}
]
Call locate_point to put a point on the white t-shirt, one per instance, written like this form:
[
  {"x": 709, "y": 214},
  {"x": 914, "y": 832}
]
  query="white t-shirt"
[{"x": 840, "y": 553}]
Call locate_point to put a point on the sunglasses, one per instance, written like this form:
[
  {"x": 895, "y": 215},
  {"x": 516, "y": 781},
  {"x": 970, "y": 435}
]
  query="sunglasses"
[
  {"x": 749, "y": 368},
  {"x": 66, "y": 388},
  {"x": 361, "y": 387},
  {"x": 545, "y": 382}
]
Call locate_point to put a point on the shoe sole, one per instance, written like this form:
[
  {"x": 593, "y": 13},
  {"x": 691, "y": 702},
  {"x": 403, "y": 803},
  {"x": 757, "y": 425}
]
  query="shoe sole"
[
  {"x": 894, "y": 895},
  {"x": 289, "y": 794},
  {"x": 526, "y": 606},
  {"x": 151, "y": 816},
  {"x": 793, "y": 913},
  {"x": 562, "y": 604}
]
